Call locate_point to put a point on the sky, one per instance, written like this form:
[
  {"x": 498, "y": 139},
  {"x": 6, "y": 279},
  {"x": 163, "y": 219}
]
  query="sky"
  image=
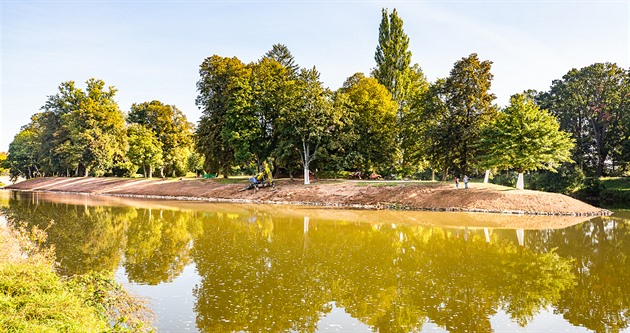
[{"x": 151, "y": 50}]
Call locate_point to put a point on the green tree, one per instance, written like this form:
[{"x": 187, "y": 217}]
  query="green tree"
[
  {"x": 145, "y": 150},
  {"x": 459, "y": 106},
  {"x": 220, "y": 79},
  {"x": 311, "y": 119},
  {"x": 281, "y": 54},
  {"x": 251, "y": 119},
  {"x": 3, "y": 167},
  {"x": 525, "y": 137},
  {"x": 370, "y": 114},
  {"x": 172, "y": 130},
  {"x": 405, "y": 82},
  {"x": 591, "y": 104},
  {"x": 86, "y": 127},
  {"x": 21, "y": 160}
]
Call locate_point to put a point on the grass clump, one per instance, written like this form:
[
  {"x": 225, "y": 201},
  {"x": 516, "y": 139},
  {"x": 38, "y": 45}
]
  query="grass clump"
[{"x": 35, "y": 298}]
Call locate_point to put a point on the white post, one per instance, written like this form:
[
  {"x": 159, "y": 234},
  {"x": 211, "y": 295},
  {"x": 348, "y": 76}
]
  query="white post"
[
  {"x": 487, "y": 177},
  {"x": 520, "y": 183}
]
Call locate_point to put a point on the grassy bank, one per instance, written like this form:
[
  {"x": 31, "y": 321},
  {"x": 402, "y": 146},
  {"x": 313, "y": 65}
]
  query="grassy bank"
[
  {"x": 607, "y": 192},
  {"x": 34, "y": 298}
]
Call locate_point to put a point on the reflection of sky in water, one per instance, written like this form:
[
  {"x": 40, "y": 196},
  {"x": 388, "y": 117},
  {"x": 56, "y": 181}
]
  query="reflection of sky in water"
[
  {"x": 545, "y": 321},
  {"x": 275, "y": 267},
  {"x": 172, "y": 302}
]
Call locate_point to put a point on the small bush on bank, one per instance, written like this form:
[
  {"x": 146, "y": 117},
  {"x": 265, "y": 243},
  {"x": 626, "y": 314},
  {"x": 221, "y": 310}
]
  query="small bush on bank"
[
  {"x": 567, "y": 179},
  {"x": 504, "y": 180},
  {"x": 34, "y": 298}
]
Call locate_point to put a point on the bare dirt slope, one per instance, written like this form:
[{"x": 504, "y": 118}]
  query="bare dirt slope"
[{"x": 376, "y": 195}]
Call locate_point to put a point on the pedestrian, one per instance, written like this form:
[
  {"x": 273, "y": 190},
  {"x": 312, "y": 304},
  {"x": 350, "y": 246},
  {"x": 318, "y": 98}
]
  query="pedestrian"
[
  {"x": 465, "y": 182},
  {"x": 456, "y": 182}
]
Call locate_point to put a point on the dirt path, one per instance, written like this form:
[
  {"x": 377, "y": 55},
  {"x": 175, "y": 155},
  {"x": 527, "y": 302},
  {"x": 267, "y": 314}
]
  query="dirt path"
[{"x": 352, "y": 194}]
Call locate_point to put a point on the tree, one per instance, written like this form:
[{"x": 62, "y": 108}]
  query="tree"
[
  {"x": 591, "y": 104},
  {"x": 281, "y": 54},
  {"x": 370, "y": 115},
  {"x": 21, "y": 160},
  {"x": 83, "y": 131},
  {"x": 220, "y": 79},
  {"x": 525, "y": 137},
  {"x": 460, "y": 105},
  {"x": 251, "y": 120},
  {"x": 145, "y": 150},
  {"x": 3, "y": 168},
  {"x": 305, "y": 125},
  {"x": 406, "y": 83},
  {"x": 172, "y": 130}
]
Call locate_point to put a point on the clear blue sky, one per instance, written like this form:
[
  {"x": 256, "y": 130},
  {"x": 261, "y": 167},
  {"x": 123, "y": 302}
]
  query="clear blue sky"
[{"x": 152, "y": 49}]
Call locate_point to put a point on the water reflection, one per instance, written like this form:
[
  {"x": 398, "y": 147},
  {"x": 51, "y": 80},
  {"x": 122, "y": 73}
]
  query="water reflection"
[{"x": 261, "y": 270}]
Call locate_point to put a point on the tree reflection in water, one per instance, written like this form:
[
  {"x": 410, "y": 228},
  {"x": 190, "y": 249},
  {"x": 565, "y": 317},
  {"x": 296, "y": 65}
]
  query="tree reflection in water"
[{"x": 261, "y": 271}]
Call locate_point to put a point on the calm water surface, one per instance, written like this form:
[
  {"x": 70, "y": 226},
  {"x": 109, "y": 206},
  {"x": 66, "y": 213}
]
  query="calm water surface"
[{"x": 231, "y": 268}]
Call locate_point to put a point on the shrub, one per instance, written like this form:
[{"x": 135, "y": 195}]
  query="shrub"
[
  {"x": 505, "y": 180},
  {"x": 568, "y": 179}
]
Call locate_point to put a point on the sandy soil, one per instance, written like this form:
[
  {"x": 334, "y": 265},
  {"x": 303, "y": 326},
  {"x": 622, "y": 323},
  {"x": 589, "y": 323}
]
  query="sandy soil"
[{"x": 354, "y": 194}]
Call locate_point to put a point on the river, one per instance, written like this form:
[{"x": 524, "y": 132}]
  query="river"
[{"x": 232, "y": 268}]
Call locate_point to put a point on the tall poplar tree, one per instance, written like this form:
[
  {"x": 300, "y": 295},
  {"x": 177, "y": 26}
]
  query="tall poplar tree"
[{"x": 405, "y": 82}]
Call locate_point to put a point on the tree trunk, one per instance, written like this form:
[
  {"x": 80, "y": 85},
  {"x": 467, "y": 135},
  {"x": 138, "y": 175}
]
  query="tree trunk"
[
  {"x": 144, "y": 170},
  {"x": 520, "y": 183},
  {"x": 306, "y": 156},
  {"x": 307, "y": 179},
  {"x": 487, "y": 177},
  {"x": 432, "y": 174},
  {"x": 150, "y": 171}
]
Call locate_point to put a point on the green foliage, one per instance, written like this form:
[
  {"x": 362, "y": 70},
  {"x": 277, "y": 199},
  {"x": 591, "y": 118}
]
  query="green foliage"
[
  {"x": 612, "y": 192},
  {"x": 4, "y": 169},
  {"x": 145, "y": 150},
  {"x": 34, "y": 298},
  {"x": 308, "y": 122},
  {"x": 370, "y": 114},
  {"x": 171, "y": 129},
  {"x": 592, "y": 105},
  {"x": 508, "y": 180},
  {"x": 456, "y": 110},
  {"x": 123, "y": 311},
  {"x": 406, "y": 83},
  {"x": 22, "y": 159},
  {"x": 220, "y": 80},
  {"x": 568, "y": 179},
  {"x": 392, "y": 56},
  {"x": 79, "y": 133},
  {"x": 525, "y": 137},
  {"x": 281, "y": 54}
]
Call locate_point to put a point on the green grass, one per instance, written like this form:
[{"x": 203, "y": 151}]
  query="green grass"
[
  {"x": 616, "y": 183},
  {"x": 33, "y": 298}
]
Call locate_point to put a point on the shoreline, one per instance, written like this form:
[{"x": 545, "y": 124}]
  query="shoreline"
[{"x": 405, "y": 196}]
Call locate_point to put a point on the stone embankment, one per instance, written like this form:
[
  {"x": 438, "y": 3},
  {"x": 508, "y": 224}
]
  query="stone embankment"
[{"x": 430, "y": 196}]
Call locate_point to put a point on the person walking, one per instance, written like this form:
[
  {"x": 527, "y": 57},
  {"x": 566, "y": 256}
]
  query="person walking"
[
  {"x": 456, "y": 182},
  {"x": 465, "y": 182}
]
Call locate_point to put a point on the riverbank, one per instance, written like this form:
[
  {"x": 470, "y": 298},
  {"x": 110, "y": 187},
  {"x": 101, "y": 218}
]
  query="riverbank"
[
  {"x": 432, "y": 196},
  {"x": 35, "y": 298}
]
